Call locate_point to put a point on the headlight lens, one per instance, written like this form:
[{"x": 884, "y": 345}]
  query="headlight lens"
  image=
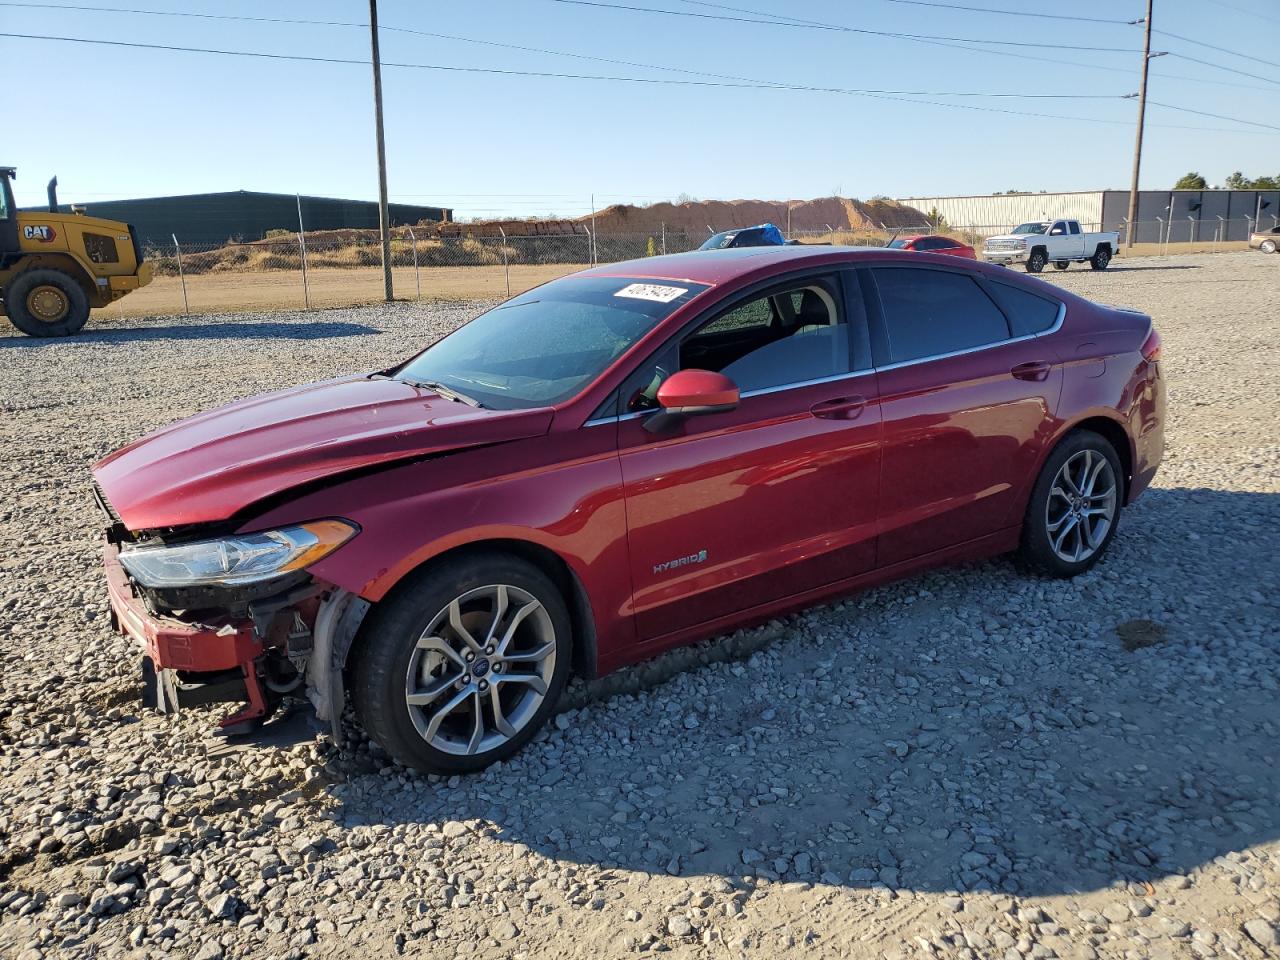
[{"x": 241, "y": 559}]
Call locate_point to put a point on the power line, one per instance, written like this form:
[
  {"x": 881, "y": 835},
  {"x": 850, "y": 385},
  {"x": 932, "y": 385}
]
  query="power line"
[
  {"x": 1251, "y": 13},
  {"x": 900, "y": 97},
  {"x": 1007, "y": 13},
  {"x": 183, "y": 13},
  {"x": 443, "y": 36},
  {"x": 835, "y": 27},
  {"x": 1216, "y": 116},
  {"x": 1201, "y": 43},
  {"x": 736, "y": 84},
  {"x": 1218, "y": 66}
]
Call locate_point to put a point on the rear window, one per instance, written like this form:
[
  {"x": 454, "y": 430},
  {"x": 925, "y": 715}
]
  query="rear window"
[
  {"x": 546, "y": 345},
  {"x": 1029, "y": 312},
  {"x": 928, "y": 313}
]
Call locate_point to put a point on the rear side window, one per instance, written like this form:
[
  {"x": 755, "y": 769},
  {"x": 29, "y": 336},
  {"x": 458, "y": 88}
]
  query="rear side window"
[
  {"x": 928, "y": 313},
  {"x": 1073, "y": 227},
  {"x": 1028, "y": 312}
]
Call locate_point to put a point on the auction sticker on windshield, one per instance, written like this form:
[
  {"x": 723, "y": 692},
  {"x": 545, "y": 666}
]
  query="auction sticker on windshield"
[{"x": 656, "y": 292}]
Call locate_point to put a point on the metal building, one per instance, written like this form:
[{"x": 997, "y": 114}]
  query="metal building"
[
  {"x": 248, "y": 215},
  {"x": 1176, "y": 215}
]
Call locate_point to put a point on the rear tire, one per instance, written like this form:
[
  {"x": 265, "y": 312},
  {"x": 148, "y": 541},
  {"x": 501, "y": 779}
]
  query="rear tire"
[
  {"x": 1061, "y": 264},
  {"x": 1074, "y": 508},
  {"x": 46, "y": 303},
  {"x": 463, "y": 664},
  {"x": 1036, "y": 261},
  {"x": 1101, "y": 259}
]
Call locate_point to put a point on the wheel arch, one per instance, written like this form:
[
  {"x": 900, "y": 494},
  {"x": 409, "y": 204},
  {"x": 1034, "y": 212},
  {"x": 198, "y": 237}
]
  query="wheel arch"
[
  {"x": 558, "y": 570},
  {"x": 62, "y": 262},
  {"x": 1111, "y": 430}
]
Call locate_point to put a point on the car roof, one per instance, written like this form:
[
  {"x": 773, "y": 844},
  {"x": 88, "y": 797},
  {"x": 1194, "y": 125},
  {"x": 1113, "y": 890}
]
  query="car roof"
[{"x": 720, "y": 266}]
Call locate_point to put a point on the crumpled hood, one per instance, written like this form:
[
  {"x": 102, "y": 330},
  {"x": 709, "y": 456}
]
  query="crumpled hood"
[{"x": 213, "y": 465}]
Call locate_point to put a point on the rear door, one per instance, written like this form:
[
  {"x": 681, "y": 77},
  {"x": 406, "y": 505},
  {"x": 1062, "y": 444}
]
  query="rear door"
[
  {"x": 732, "y": 510},
  {"x": 967, "y": 401}
]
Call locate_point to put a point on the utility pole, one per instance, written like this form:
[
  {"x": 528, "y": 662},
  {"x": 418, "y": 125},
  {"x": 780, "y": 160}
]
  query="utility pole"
[
  {"x": 1137, "y": 146},
  {"x": 384, "y": 227}
]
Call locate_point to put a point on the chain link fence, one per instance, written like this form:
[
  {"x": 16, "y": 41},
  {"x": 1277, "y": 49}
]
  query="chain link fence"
[{"x": 289, "y": 270}]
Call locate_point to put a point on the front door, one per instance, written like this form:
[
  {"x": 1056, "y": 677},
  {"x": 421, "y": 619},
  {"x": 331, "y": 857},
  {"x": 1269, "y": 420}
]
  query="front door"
[
  {"x": 729, "y": 511},
  {"x": 967, "y": 407}
]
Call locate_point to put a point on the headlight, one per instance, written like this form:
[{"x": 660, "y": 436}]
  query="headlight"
[{"x": 240, "y": 559}]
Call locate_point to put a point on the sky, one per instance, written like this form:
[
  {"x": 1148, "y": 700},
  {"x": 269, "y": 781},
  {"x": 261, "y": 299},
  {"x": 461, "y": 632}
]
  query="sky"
[{"x": 115, "y": 122}]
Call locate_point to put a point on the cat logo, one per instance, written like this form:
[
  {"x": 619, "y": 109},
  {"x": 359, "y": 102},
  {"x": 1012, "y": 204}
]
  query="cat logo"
[
  {"x": 40, "y": 232},
  {"x": 667, "y": 565}
]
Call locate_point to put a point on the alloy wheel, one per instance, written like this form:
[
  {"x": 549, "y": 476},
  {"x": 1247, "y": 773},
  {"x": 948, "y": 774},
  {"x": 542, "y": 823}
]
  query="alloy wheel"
[
  {"x": 1081, "y": 507},
  {"x": 481, "y": 669}
]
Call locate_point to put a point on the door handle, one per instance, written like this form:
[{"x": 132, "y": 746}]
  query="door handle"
[
  {"x": 1036, "y": 370},
  {"x": 842, "y": 408}
]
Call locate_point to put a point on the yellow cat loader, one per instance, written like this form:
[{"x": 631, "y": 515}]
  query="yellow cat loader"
[{"x": 55, "y": 266}]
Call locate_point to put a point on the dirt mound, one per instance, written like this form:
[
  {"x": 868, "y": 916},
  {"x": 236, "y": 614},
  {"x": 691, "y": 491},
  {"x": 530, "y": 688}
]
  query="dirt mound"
[{"x": 696, "y": 216}]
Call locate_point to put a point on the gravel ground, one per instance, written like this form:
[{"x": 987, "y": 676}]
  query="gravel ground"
[{"x": 971, "y": 763}]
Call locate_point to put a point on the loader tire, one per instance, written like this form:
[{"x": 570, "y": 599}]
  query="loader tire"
[{"x": 46, "y": 303}]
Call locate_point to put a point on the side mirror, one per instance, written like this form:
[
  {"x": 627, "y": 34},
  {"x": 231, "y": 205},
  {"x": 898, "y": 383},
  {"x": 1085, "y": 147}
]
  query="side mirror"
[{"x": 692, "y": 393}]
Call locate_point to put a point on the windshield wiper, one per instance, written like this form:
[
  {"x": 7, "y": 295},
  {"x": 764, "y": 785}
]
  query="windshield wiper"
[{"x": 447, "y": 392}]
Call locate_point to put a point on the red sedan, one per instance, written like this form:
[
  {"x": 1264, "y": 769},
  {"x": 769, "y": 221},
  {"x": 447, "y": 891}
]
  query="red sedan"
[
  {"x": 627, "y": 459},
  {"x": 934, "y": 244}
]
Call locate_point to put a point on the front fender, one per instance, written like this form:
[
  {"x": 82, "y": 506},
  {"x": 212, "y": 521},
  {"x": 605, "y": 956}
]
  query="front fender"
[{"x": 566, "y": 498}]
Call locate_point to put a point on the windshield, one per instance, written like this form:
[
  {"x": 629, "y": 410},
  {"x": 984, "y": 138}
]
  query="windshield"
[
  {"x": 1031, "y": 228},
  {"x": 898, "y": 244},
  {"x": 544, "y": 346},
  {"x": 719, "y": 241}
]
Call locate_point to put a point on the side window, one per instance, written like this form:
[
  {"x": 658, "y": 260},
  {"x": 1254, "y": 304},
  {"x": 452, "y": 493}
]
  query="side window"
[
  {"x": 1058, "y": 229},
  {"x": 750, "y": 319},
  {"x": 928, "y": 313},
  {"x": 1074, "y": 226},
  {"x": 787, "y": 336},
  {"x": 1028, "y": 312}
]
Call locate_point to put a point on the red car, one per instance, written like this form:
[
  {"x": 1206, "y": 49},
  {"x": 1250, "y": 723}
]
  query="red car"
[
  {"x": 620, "y": 461},
  {"x": 934, "y": 244}
]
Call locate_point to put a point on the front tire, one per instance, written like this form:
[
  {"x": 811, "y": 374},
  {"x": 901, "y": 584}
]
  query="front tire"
[
  {"x": 1074, "y": 508},
  {"x": 1036, "y": 261},
  {"x": 463, "y": 664},
  {"x": 1101, "y": 259},
  {"x": 1267, "y": 246},
  {"x": 46, "y": 303}
]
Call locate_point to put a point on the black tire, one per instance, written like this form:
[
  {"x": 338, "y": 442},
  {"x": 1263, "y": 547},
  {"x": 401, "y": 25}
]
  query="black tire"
[
  {"x": 1036, "y": 549},
  {"x": 1036, "y": 261},
  {"x": 1101, "y": 259},
  {"x": 46, "y": 286},
  {"x": 1061, "y": 264},
  {"x": 386, "y": 645}
]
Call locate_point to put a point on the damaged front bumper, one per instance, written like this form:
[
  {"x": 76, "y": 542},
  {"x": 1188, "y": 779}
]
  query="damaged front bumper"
[{"x": 275, "y": 647}]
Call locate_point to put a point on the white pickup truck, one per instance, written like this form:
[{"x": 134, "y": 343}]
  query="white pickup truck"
[{"x": 1051, "y": 241}]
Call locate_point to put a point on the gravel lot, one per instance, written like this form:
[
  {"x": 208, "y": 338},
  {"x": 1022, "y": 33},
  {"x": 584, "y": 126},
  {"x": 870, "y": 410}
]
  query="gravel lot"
[{"x": 971, "y": 763}]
